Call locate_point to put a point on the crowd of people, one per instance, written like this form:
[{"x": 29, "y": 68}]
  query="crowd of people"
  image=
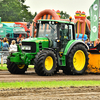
[
  {"x": 5, "y": 46},
  {"x": 91, "y": 44}
]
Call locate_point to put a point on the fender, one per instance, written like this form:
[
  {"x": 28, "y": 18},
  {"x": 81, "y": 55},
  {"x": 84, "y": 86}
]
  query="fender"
[{"x": 71, "y": 44}]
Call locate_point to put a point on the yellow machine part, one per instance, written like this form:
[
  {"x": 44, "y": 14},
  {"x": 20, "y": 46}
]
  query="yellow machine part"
[{"x": 94, "y": 63}]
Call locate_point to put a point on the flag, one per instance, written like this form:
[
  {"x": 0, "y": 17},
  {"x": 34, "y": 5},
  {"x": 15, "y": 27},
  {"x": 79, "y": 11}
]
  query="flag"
[{"x": 94, "y": 18}]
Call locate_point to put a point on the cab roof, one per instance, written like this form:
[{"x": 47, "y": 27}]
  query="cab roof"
[{"x": 59, "y": 21}]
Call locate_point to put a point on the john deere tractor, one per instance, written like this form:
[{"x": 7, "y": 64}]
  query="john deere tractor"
[{"x": 53, "y": 48}]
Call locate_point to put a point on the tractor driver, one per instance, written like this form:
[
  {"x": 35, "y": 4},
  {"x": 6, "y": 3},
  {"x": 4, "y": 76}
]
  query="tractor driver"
[{"x": 63, "y": 35}]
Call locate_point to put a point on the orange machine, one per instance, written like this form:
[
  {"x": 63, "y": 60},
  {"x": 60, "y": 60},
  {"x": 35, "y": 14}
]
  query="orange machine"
[{"x": 94, "y": 63}]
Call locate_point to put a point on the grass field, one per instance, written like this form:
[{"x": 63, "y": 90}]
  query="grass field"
[
  {"x": 38, "y": 84},
  {"x": 5, "y": 67}
]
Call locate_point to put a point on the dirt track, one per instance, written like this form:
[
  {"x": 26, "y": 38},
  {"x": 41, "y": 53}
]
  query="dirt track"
[
  {"x": 60, "y": 93},
  {"x": 32, "y": 76}
]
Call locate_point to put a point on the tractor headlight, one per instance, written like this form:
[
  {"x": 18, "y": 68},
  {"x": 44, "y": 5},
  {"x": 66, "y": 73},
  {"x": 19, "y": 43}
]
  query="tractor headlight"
[{"x": 26, "y": 47}]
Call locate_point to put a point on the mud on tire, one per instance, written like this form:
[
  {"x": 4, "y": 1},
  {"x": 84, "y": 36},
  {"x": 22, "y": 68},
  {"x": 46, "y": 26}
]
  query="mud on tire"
[
  {"x": 14, "y": 69},
  {"x": 45, "y": 63},
  {"x": 76, "y": 60}
]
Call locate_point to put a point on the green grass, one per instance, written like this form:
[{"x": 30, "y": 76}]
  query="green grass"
[
  {"x": 5, "y": 67},
  {"x": 37, "y": 84},
  {"x": 30, "y": 66}
]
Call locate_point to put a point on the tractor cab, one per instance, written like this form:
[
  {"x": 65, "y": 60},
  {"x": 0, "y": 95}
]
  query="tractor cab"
[{"x": 58, "y": 32}]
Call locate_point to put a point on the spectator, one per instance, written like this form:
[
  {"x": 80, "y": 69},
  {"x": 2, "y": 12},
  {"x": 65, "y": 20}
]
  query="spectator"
[
  {"x": 5, "y": 45},
  {"x": 86, "y": 41},
  {"x": 21, "y": 41},
  {"x": 97, "y": 41},
  {"x": 18, "y": 40},
  {"x": 5, "y": 39},
  {"x": 13, "y": 46},
  {"x": 1, "y": 44},
  {"x": 83, "y": 40},
  {"x": 91, "y": 45},
  {"x": 98, "y": 44}
]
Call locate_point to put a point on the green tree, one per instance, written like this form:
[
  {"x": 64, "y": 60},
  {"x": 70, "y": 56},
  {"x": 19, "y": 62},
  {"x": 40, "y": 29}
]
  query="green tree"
[
  {"x": 64, "y": 15},
  {"x": 88, "y": 17},
  {"x": 10, "y": 10},
  {"x": 15, "y": 10}
]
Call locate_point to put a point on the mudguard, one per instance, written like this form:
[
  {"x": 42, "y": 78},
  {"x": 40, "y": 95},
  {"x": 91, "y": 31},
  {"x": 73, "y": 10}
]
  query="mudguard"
[{"x": 72, "y": 43}]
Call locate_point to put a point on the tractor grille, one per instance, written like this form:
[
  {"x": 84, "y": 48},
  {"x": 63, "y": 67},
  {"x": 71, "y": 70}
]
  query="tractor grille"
[
  {"x": 33, "y": 46},
  {"x": 40, "y": 46}
]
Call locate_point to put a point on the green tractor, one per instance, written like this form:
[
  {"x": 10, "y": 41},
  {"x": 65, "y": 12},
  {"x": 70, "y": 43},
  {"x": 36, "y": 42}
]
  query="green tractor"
[{"x": 53, "y": 48}]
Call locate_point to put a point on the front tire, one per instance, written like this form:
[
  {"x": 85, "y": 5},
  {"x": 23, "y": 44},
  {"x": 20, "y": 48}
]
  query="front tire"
[
  {"x": 16, "y": 69},
  {"x": 77, "y": 60},
  {"x": 45, "y": 63}
]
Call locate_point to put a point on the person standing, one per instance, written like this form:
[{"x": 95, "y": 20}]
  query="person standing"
[
  {"x": 5, "y": 45},
  {"x": 18, "y": 40},
  {"x": 13, "y": 46}
]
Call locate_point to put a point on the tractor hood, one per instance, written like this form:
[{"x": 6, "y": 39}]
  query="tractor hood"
[
  {"x": 36, "y": 44},
  {"x": 36, "y": 40}
]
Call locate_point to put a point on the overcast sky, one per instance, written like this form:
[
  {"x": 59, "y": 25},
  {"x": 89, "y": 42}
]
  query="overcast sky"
[{"x": 70, "y": 6}]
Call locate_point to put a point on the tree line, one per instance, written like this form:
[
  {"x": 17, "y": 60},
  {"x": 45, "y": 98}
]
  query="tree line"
[{"x": 16, "y": 10}]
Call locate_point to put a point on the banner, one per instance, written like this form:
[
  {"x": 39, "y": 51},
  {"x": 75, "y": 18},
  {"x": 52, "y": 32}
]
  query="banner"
[{"x": 94, "y": 18}]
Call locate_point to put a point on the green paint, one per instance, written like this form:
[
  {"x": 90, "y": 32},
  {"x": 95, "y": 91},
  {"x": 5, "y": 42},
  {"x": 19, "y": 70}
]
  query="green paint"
[
  {"x": 63, "y": 60},
  {"x": 68, "y": 46}
]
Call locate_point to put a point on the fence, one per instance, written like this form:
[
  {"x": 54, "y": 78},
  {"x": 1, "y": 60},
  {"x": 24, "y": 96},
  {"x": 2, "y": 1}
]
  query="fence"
[{"x": 3, "y": 57}]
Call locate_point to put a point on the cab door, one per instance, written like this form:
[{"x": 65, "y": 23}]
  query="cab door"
[{"x": 66, "y": 34}]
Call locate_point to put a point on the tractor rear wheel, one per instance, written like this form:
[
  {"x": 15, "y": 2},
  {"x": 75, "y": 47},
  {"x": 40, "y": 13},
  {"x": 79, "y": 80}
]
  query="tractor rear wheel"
[
  {"x": 45, "y": 63},
  {"x": 16, "y": 69},
  {"x": 77, "y": 60}
]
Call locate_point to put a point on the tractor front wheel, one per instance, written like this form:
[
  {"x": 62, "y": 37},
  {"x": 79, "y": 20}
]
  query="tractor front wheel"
[
  {"x": 45, "y": 63},
  {"x": 16, "y": 69}
]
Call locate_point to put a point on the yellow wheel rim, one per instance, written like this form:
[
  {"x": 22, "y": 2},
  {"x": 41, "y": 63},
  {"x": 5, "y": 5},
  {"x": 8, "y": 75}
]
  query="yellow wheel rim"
[
  {"x": 21, "y": 66},
  {"x": 48, "y": 63},
  {"x": 79, "y": 60}
]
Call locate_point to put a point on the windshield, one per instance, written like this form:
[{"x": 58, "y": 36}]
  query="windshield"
[{"x": 48, "y": 30}]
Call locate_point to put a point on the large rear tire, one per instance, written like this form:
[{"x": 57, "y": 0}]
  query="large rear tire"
[
  {"x": 77, "y": 60},
  {"x": 16, "y": 69},
  {"x": 45, "y": 63}
]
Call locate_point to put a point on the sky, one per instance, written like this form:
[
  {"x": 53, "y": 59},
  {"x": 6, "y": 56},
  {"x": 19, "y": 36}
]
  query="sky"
[{"x": 70, "y": 6}]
